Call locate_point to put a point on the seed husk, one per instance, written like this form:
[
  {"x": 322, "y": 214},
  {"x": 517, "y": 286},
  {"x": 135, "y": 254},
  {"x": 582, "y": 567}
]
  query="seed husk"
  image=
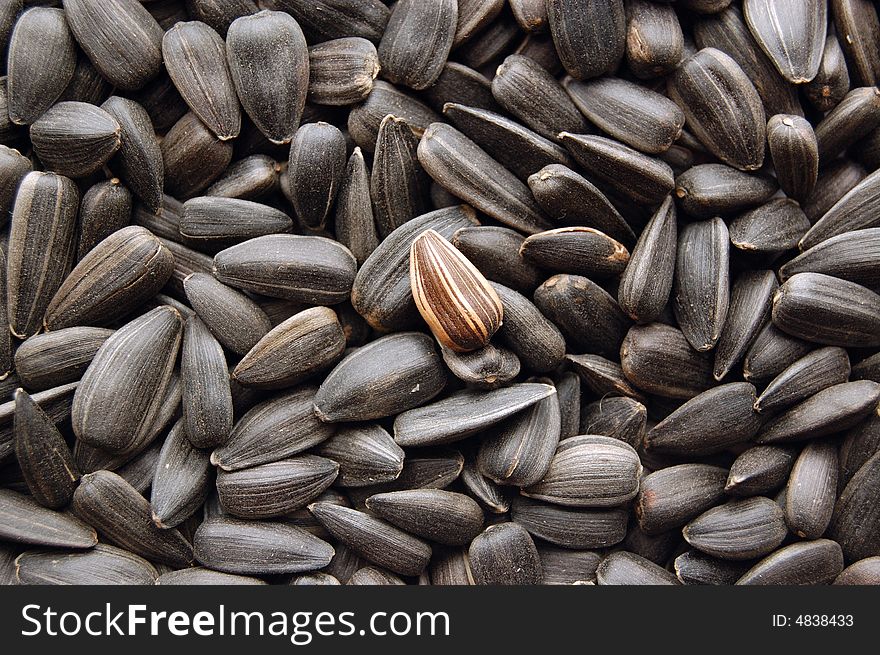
[
  {"x": 59, "y": 357},
  {"x": 647, "y": 280},
  {"x": 727, "y": 31},
  {"x": 856, "y": 518},
  {"x": 495, "y": 41},
  {"x": 139, "y": 159},
  {"x": 258, "y": 547},
  {"x": 397, "y": 183},
  {"x": 749, "y": 311},
  {"x": 56, "y": 402},
  {"x": 374, "y": 539},
  {"x": 855, "y": 210},
  {"x": 810, "y": 374},
  {"x": 694, "y": 567},
  {"x": 372, "y": 576},
  {"x": 464, "y": 413},
  {"x": 106, "y": 207},
  {"x": 603, "y": 376},
  {"x": 416, "y": 41},
  {"x": 562, "y": 566},
  {"x": 207, "y": 396},
  {"x": 196, "y": 59},
  {"x": 141, "y": 470},
  {"x": 864, "y": 572},
  {"x": 805, "y": 563},
  {"x": 827, "y": 310},
  {"x": 473, "y": 17},
  {"x": 486, "y": 368},
  {"x": 812, "y": 490},
  {"x": 234, "y": 319},
  {"x": 366, "y": 455},
  {"x": 859, "y": 444},
  {"x": 182, "y": 480},
  {"x": 587, "y": 315},
  {"x": 654, "y": 40},
  {"x": 332, "y": 19},
  {"x": 462, "y": 167},
  {"x": 201, "y": 576},
  {"x": 578, "y": 250},
  {"x": 589, "y": 471},
  {"x": 293, "y": 351},
  {"x": 315, "y": 172},
  {"x": 707, "y": 190},
  {"x": 795, "y": 152},
  {"x": 312, "y": 579},
  {"x": 459, "y": 305},
  {"x": 13, "y": 168},
  {"x": 489, "y": 494},
  {"x": 658, "y": 358},
  {"x": 382, "y": 293},
  {"x": 792, "y": 34},
  {"x": 658, "y": 549},
  {"x": 304, "y": 268},
  {"x": 520, "y": 450},
  {"x": 760, "y": 470},
  {"x": 250, "y": 178},
  {"x": 771, "y": 353},
  {"x": 738, "y": 530},
  {"x": 833, "y": 409},
  {"x": 121, "y": 38},
  {"x": 856, "y": 115},
  {"x": 850, "y": 256},
  {"x": 269, "y": 66},
  {"x": 858, "y": 23},
  {"x": 495, "y": 251},
  {"x": 275, "y": 489},
  {"x": 75, "y": 138},
  {"x": 589, "y": 37},
  {"x": 24, "y": 521},
  {"x": 161, "y": 101},
  {"x": 40, "y": 63},
  {"x": 341, "y": 71},
  {"x": 773, "y": 227},
  {"x": 388, "y": 376},
  {"x": 272, "y": 430},
  {"x": 102, "y": 565},
  {"x": 565, "y": 195},
  {"x": 193, "y": 157},
  {"x": 831, "y": 82},
  {"x": 527, "y": 332},
  {"x": 442, "y": 516},
  {"x": 42, "y": 454},
  {"x": 625, "y": 568},
  {"x": 531, "y": 94},
  {"x": 353, "y": 220},
  {"x": 504, "y": 554},
  {"x": 124, "y": 518},
  {"x": 461, "y": 85},
  {"x": 41, "y": 245},
  {"x": 618, "y": 417},
  {"x": 708, "y": 423},
  {"x": 671, "y": 497},
  {"x": 570, "y": 528},
  {"x": 364, "y": 119},
  {"x": 632, "y": 174}
]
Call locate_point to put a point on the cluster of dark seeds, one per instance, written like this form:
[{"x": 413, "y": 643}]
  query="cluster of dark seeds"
[{"x": 440, "y": 291}]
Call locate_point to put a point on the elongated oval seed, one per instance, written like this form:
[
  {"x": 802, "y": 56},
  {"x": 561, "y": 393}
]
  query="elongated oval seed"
[
  {"x": 532, "y": 336},
  {"x": 749, "y": 311},
  {"x": 121, "y": 38},
  {"x": 305, "y": 268},
  {"x": 75, "y": 138},
  {"x": 771, "y": 228},
  {"x": 102, "y": 565},
  {"x": 738, "y": 530},
  {"x": 504, "y": 554},
  {"x": 572, "y": 528},
  {"x": 671, "y": 497},
  {"x": 194, "y": 157},
  {"x": 654, "y": 39},
  {"x": 398, "y": 182},
  {"x": 374, "y": 539},
  {"x": 341, "y": 71},
  {"x": 707, "y": 190},
  {"x": 207, "y": 396},
  {"x": 759, "y": 470},
  {"x": 855, "y": 117},
  {"x": 791, "y": 33},
  {"x": 275, "y": 489},
  {"x": 269, "y": 65},
  {"x": 59, "y": 357},
  {"x": 182, "y": 480},
  {"x": 122, "y": 390},
  {"x": 589, "y": 36},
  {"x": 41, "y": 242},
  {"x": 795, "y": 153},
  {"x": 353, "y": 220},
  {"x": 486, "y": 368},
  {"x": 388, "y": 376},
  {"x": 24, "y": 521},
  {"x": 40, "y": 63},
  {"x": 625, "y": 568},
  {"x": 772, "y": 351},
  {"x": 195, "y": 57},
  {"x": 442, "y": 516},
  {"x": 708, "y": 423},
  {"x": 831, "y": 82},
  {"x": 366, "y": 455},
  {"x": 578, "y": 250},
  {"x": 619, "y": 417},
  {"x": 812, "y": 490},
  {"x": 722, "y": 108},
  {"x": 417, "y": 41},
  {"x": 854, "y": 209},
  {"x": 855, "y": 522},
  {"x": 590, "y": 471},
  {"x": 603, "y": 377},
  {"x": 465, "y": 413},
  {"x": 805, "y": 563},
  {"x": 106, "y": 207},
  {"x": 225, "y": 221},
  {"x": 115, "y": 277},
  {"x": 864, "y": 572},
  {"x": 55, "y": 402},
  {"x": 123, "y": 517},
  {"x": 810, "y": 374},
  {"x": 495, "y": 251},
  {"x": 258, "y": 547}
]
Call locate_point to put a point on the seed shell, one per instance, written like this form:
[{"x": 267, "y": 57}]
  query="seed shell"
[
  {"x": 771, "y": 353},
  {"x": 795, "y": 152},
  {"x": 364, "y": 119},
  {"x": 855, "y": 210},
  {"x": 103, "y": 565},
  {"x": 490, "y": 495},
  {"x": 417, "y": 41},
  {"x": 366, "y": 455},
  {"x": 864, "y": 572},
  {"x": 749, "y": 311},
  {"x": 56, "y": 402},
  {"x": 603, "y": 377},
  {"x": 24, "y": 521},
  {"x": 694, "y": 567},
  {"x": 341, "y": 71},
  {"x": 397, "y": 183},
  {"x": 578, "y": 250},
  {"x": 810, "y": 374},
  {"x": 851, "y": 120},
  {"x": 106, "y": 207},
  {"x": 589, "y": 37},
  {"x": 315, "y": 171},
  {"x": 527, "y": 332},
  {"x": 831, "y": 82},
  {"x": 570, "y": 528},
  {"x": 805, "y": 563},
  {"x": 618, "y": 417},
  {"x": 858, "y": 24},
  {"x": 812, "y": 490},
  {"x": 495, "y": 251},
  {"x": 671, "y": 497},
  {"x": 504, "y": 554},
  {"x": 855, "y": 522},
  {"x": 182, "y": 480},
  {"x": 625, "y": 568},
  {"x": 193, "y": 157},
  {"x": 850, "y": 256},
  {"x": 738, "y": 530},
  {"x": 250, "y": 178},
  {"x": 760, "y": 470},
  {"x": 771, "y": 228},
  {"x": 202, "y": 576},
  {"x": 791, "y": 33},
  {"x": 654, "y": 39},
  {"x": 442, "y": 516}
]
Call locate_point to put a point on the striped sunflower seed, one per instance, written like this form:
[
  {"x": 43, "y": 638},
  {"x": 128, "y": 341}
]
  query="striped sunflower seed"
[
  {"x": 654, "y": 40},
  {"x": 25, "y": 521},
  {"x": 353, "y": 220},
  {"x": 578, "y": 250},
  {"x": 831, "y": 82},
  {"x": 207, "y": 396},
  {"x": 805, "y": 563},
  {"x": 769, "y": 229},
  {"x": 589, "y": 37},
  {"x": 397, "y": 183},
  {"x": 250, "y": 178},
  {"x": 341, "y": 71},
  {"x": 102, "y": 565},
  {"x": 58, "y": 357},
  {"x": 854, "y": 524},
  {"x": 795, "y": 152},
  {"x": 366, "y": 455},
  {"x": 671, "y": 497},
  {"x": 738, "y": 530},
  {"x": 812, "y": 490},
  {"x": 570, "y": 528},
  {"x": 504, "y": 554},
  {"x": 796, "y": 48},
  {"x": 707, "y": 190},
  {"x": 323, "y": 20},
  {"x": 105, "y": 208},
  {"x": 527, "y": 332},
  {"x": 443, "y": 516},
  {"x": 486, "y": 368},
  {"x": 760, "y": 470},
  {"x": 182, "y": 480},
  {"x": 193, "y": 157},
  {"x": 810, "y": 374},
  {"x": 625, "y": 568}
]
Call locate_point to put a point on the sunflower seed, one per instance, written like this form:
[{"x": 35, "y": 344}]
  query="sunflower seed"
[
  {"x": 851, "y": 256},
  {"x": 535, "y": 340},
  {"x": 792, "y": 34},
  {"x": 104, "y": 565},
  {"x": 364, "y": 119},
  {"x": 854, "y": 524},
  {"x": 141, "y": 470},
  {"x": 621, "y": 418},
  {"x": 272, "y": 430},
  {"x": 75, "y": 138},
  {"x": 316, "y": 168},
  {"x": 563, "y": 566},
  {"x": 489, "y": 494},
  {"x": 578, "y": 250},
  {"x": 504, "y": 554},
  {"x": 457, "y": 163},
  {"x": 25, "y": 521},
  {"x": 858, "y": 25},
  {"x": 56, "y": 402},
  {"x": 193, "y": 157},
  {"x": 250, "y": 178},
  {"x": 366, "y": 455},
  {"x": 371, "y": 576},
  {"x": 759, "y": 470},
  {"x": 442, "y": 516},
  {"x": 473, "y": 17},
  {"x": 708, "y": 190},
  {"x": 341, "y": 71},
  {"x": 624, "y": 568},
  {"x": 182, "y": 480},
  {"x": 694, "y": 567},
  {"x": 810, "y": 374},
  {"x": 106, "y": 207},
  {"x": 859, "y": 444},
  {"x": 856, "y": 115},
  {"x": 771, "y": 228},
  {"x": 738, "y": 530},
  {"x": 812, "y": 490},
  {"x": 495, "y": 41},
  {"x": 771, "y": 353},
  {"x": 658, "y": 359},
  {"x": 749, "y": 311},
  {"x": 806, "y": 563},
  {"x": 603, "y": 377},
  {"x": 41, "y": 62},
  {"x": 571, "y": 528},
  {"x": 495, "y": 251},
  {"x": 41, "y": 244},
  {"x": 13, "y": 168},
  {"x": 831, "y": 82},
  {"x": 58, "y": 357},
  {"x": 201, "y": 576},
  {"x": 654, "y": 40},
  {"x": 708, "y": 423},
  {"x": 863, "y": 572},
  {"x": 374, "y": 539},
  {"x": 589, "y": 37},
  {"x": 671, "y": 497},
  {"x": 122, "y": 390},
  {"x": 461, "y": 85}
]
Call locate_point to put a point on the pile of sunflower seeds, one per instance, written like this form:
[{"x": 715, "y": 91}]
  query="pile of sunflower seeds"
[{"x": 440, "y": 292}]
